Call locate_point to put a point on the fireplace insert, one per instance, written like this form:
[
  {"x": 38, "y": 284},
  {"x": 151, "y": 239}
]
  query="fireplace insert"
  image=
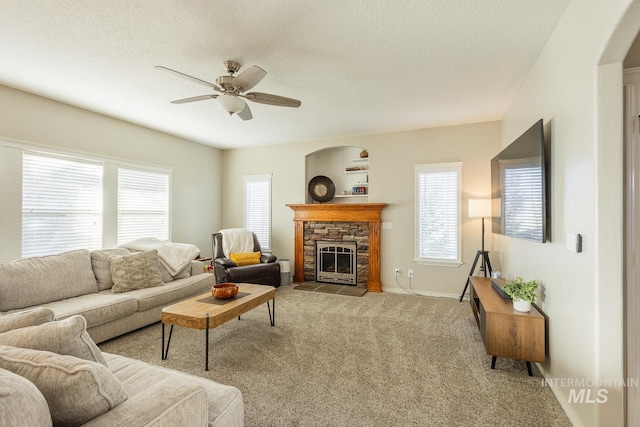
[{"x": 336, "y": 262}]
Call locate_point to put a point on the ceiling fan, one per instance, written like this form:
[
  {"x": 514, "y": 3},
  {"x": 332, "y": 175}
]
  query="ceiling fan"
[{"x": 232, "y": 90}]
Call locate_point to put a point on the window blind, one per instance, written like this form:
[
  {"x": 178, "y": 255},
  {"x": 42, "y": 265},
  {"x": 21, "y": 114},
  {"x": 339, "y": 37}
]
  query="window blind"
[
  {"x": 257, "y": 207},
  {"x": 143, "y": 205},
  {"x": 61, "y": 205},
  {"x": 522, "y": 201},
  {"x": 438, "y": 213}
]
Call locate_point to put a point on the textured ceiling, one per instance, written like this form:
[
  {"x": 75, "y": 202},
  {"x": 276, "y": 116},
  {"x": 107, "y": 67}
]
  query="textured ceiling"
[{"x": 358, "y": 66}]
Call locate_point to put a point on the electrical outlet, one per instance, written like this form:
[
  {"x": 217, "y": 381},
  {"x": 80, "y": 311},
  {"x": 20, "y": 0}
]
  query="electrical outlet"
[
  {"x": 397, "y": 272},
  {"x": 410, "y": 273}
]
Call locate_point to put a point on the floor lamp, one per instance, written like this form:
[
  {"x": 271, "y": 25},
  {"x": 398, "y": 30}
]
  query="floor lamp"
[{"x": 479, "y": 208}]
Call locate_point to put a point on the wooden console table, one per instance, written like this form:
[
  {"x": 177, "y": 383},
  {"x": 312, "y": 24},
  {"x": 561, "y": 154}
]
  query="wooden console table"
[{"x": 506, "y": 332}]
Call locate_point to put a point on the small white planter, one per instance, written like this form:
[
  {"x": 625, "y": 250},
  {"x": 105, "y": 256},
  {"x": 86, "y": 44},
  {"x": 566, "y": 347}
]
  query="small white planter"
[{"x": 523, "y": 306}]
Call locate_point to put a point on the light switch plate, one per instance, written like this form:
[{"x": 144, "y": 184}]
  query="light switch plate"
[
  {"x": 386, "y": 225},
  {"x": 574, "y": 243}
]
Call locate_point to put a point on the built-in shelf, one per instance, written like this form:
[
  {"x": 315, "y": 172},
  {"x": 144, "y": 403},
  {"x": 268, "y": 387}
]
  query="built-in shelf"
[
  {"x": 343, "y": 196},
  {"x": 359, "y": 189}
]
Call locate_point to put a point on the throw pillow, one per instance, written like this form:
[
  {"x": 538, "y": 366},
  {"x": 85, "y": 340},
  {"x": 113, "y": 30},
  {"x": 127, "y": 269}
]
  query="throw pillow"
[
  {"x": 21, "y": 403},
  {"x": 22, "y": 319},
  {"x": 68, "y": 336},
  {"x": 76, "y": 390},
  {"x": 246, "y": 258},
  {"x": 101, "y": 264},
  {"x": 135, "y": 271}
]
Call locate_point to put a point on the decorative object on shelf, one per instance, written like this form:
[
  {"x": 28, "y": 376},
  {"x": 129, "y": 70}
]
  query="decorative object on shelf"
[
  {"x": 479, "y": 208},
  {"x": 224, "y": 290},
  {"x": 359, "y": 189},
  {"x": 356, "y": 168},
  {"x": 523, "y": 293},
  {"x": 364, "y": 154},
  {"x": 321, "y": 189}
]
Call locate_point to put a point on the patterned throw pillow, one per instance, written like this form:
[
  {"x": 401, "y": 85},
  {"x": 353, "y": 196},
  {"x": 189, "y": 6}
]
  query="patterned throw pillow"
[
  {"x": 135, "y": 271},
  {"x": 246, "y": 258},
  {"x": 101, "y": 264}
]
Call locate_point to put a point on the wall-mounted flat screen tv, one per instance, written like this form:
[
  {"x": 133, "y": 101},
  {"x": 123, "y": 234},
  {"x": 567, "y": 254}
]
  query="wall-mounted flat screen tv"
[{"x": 518, "y": 187}]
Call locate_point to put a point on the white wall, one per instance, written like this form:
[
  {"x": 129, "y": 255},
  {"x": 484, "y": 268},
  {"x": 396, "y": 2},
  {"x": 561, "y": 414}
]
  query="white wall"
[
  {"x": 581, "y": 102},
  {"x": 196, "y": 177},
  {"x": 391, "y": 180}
]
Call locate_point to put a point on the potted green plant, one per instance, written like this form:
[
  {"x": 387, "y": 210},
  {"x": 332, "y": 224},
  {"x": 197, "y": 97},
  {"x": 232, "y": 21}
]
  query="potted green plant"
[{"x": 522, "y": 293}]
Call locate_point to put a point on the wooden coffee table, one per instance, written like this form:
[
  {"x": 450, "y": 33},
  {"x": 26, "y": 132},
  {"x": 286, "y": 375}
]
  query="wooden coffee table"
[{"x": 206, "y": 312}]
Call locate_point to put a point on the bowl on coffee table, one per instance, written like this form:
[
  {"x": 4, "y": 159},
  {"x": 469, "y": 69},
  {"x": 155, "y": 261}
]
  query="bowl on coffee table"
[{"x": 224, "y": 290}]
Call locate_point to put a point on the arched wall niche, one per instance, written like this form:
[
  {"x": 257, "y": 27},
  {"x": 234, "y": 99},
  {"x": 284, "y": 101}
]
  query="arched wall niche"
[{"x": 332, "y": 163}]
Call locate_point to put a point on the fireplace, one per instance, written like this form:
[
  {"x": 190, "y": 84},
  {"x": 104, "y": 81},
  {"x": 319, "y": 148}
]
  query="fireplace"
[
  {"x": 326, "y": 221},
  {"x": 336, "y": 262}
]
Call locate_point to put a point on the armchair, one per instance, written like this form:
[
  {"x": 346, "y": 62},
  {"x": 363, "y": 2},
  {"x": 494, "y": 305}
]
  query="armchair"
[{"x": 266, "y": 272}]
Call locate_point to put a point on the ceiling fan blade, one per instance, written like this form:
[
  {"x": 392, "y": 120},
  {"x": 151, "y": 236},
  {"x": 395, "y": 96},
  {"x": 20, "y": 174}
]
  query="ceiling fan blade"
[
  {"x": 249, "y": 77},
  {"x": 188, "y": 77},
  {"x": 267, "y": 98},
  {"x": 194, "y": 98},
  {"x": 245, "y": 114}
]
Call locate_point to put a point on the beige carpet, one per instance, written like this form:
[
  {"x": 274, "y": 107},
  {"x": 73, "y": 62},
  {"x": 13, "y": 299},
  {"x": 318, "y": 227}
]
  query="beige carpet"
[{"x": 380, "y": 360}]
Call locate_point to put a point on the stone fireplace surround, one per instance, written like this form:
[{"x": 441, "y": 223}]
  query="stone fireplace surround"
[{"x": 365, "y": 216}]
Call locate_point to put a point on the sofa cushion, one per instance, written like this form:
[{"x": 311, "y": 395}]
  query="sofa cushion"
[
  {"x": 184, "y": 273},
  {"x": 172, "y": 292},
  {"x": 67, "y": 336},
  {"x": 97, "y": 308},
  {"x": 21, "y": 403},
  {"x": 76, "y": 390},
  {"x": 22, "y": 319},
  {"x": 169, "y": 402},
  {"x": 135, "y": 271},
  {"x": 164, "y": 273},
  {"x": 33, "y": 281},
  {"x": 101, "y": 263},
  {"x": 225, "y": 403}
]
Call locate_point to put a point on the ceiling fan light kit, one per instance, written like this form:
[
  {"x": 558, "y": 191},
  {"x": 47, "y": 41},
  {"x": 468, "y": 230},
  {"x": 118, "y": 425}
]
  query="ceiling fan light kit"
[
  {"x": 231, "y": 103},
  {"x": 232, "y": 90}
]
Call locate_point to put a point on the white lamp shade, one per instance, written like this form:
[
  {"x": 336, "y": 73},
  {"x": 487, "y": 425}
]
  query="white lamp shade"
[
  {"x": 479, "y": 208},
  {"x": 230, "y": 103}
]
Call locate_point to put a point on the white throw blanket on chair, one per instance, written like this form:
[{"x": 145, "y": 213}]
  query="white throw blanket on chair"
[
  {"x": 174, "y": 256},
  {"x": 236, "y": 241}
]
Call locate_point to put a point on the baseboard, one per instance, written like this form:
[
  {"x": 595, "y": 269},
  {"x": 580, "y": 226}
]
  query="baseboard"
[
  {"x": 420, "y": 293},
  {"x": 548, "y": 382}
]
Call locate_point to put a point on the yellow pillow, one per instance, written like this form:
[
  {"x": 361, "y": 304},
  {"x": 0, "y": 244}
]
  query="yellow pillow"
[{"x": 246, "y": 259}]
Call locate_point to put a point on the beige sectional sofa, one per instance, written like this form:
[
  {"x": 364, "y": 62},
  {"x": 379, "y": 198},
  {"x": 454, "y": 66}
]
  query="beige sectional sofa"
[
  {"x": 77, "y": 288},
  {"x": 80, "y": 282}
]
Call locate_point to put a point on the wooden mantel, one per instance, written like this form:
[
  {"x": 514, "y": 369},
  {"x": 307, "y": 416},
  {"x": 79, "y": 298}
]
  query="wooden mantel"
[{"x": 347, "y": 212}]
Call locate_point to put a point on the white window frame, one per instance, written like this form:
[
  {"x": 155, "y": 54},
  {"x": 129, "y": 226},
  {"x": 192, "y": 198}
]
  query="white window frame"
[
  {"x": 422, "y": 169},
  {"x": 264, "y": 236},
  {"x": 164, "y": 215},
  {"x": 77, "y": 202}
]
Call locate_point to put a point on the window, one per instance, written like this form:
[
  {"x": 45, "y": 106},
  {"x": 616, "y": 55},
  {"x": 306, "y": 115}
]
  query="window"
[
  {"x": 257, "y": 207},
  {"x": 437, "y": 201},
  {"x": 143, "y": 205},
  {"x": 61, "y": 205}
]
